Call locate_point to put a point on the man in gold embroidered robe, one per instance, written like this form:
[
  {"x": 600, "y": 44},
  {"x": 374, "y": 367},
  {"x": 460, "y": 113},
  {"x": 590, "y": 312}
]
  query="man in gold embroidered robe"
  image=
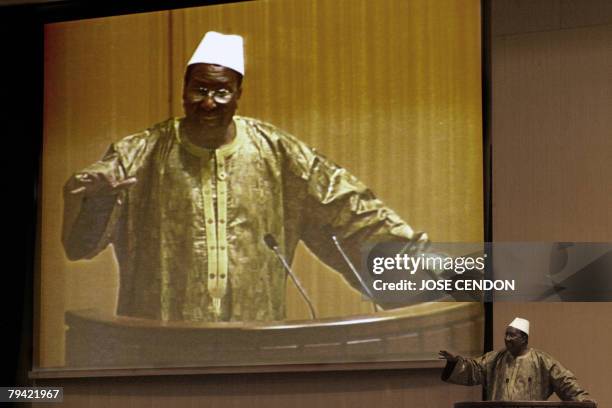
[
  {"x": 518, "y": 373},
  {"x": 187, "y": 202}
]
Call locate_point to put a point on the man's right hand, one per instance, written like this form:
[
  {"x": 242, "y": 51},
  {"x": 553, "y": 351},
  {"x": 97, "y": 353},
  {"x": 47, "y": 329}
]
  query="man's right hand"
[
  {"x": 450, "y": 357},
  {"x": 99, "y": 184}
]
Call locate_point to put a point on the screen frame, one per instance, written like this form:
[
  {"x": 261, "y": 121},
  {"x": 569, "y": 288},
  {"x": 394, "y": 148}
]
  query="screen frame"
[{"x": 27, "y": 20}]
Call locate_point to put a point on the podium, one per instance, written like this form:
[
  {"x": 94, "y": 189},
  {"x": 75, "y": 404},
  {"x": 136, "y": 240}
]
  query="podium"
[
  {"x": 524, "y": 404},
  {"x": 98, "y": 340}
]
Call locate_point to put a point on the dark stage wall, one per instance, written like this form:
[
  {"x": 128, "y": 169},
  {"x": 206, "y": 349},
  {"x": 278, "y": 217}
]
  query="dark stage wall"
[{"x": 552, "y": 160}]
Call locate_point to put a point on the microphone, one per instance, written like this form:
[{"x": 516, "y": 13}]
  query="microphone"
[
  {"x": 273, "y": 245},
  {"x": 328, "y": 231}
]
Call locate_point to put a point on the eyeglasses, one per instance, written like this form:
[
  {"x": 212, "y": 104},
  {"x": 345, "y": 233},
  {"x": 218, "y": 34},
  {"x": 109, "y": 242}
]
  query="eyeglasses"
[{"x": 221, "y": 96}]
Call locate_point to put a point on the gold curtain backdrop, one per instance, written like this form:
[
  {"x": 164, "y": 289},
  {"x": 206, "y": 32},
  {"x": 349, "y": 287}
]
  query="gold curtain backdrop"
[{"x": 390, "y": 89}]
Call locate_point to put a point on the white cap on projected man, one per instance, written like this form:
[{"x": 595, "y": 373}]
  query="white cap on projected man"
[{"x": 220, "y": 49}]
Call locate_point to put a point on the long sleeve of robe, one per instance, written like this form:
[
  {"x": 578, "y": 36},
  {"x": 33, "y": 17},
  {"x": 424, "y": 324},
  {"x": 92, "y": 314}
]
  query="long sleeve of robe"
[
  {"x": 188, "y": 236},
  {"x": 533, "y": 376}
]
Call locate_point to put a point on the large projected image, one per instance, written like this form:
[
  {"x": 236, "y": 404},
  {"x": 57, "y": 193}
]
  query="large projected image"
[{"x": 206, "y": 198}]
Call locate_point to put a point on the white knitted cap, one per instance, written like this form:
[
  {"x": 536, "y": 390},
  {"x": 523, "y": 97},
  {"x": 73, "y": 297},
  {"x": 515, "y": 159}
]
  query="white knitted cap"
[
  {"x": 520, "y": 324},
  {"x": 220, "y": 49}
]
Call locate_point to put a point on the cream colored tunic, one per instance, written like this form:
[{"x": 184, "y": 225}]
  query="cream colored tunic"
[
  {"x": 188, "y": 235},
  {"x": 533, "y": 376}
]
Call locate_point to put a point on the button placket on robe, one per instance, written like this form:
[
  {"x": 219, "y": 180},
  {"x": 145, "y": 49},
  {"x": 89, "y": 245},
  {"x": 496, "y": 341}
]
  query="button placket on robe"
[
  {"x": 216, "y": 289},
  {"x": 513, "y": 375},
  {"x": 222, "y": 252},
  {"x": 214, "y": 196}
]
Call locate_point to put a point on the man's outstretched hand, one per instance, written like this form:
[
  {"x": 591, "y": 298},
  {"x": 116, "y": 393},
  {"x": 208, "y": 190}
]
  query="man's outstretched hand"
[
  {"x": 99, "y": 184},
  {"x": 450, "y": 357}
]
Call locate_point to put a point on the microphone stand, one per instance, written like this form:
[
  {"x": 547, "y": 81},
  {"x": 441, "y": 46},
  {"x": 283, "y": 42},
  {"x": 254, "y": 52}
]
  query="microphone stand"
[
  {"x": 273, "y": 245},
  {"x": 354, "y": 270}
]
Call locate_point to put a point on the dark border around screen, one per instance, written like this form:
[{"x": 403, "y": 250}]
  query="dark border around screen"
[{"x": 487, "y": 167}]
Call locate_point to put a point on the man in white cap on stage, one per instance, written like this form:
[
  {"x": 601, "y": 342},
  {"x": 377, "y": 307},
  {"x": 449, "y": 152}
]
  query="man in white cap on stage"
[
  {"x": 187, "y": 203},
  {"x": 517, "y": 373}
]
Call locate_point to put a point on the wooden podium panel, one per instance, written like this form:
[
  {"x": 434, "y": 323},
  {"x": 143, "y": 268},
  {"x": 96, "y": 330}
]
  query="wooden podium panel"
[{"x": 96, "y": 340}]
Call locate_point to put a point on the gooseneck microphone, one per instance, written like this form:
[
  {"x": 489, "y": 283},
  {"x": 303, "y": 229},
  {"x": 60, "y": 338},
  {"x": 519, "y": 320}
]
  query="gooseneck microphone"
[
  {"x": 273, "y": 245},
  {"x": 328, "y": 231}
]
